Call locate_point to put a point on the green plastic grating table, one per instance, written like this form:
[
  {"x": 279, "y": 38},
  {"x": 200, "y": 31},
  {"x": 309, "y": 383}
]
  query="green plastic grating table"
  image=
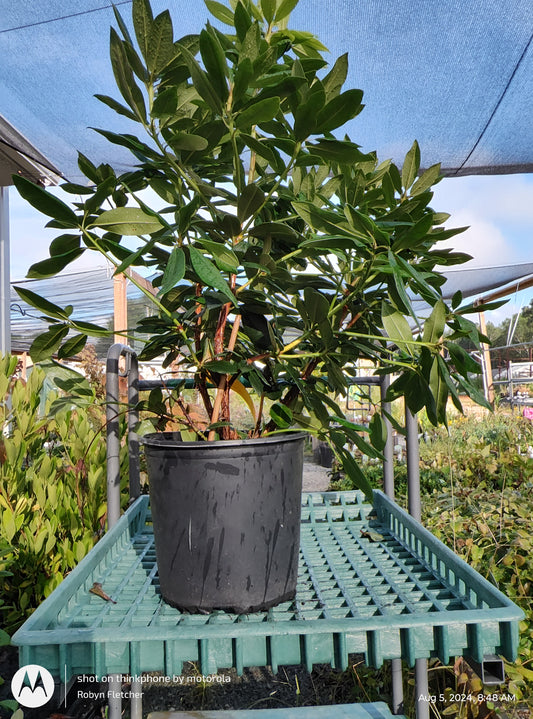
[
  {"x": 377, "y": 710},
  {"x": 371, "y": 580}
]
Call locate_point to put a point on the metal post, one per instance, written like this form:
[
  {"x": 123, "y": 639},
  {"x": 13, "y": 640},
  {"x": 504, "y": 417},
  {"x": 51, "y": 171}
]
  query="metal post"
[
  {"x": 114, "y": 696},
  {"x": 388, "y": 451},
  {"x": 113, "y": 433},
  {"x": 133, "y": 418},
  {"x": 415, "y": 510},
  {"x": 5, "y": 286},
  {"x": 136, "y": 703},
  {"x": 413, "y": 465}
]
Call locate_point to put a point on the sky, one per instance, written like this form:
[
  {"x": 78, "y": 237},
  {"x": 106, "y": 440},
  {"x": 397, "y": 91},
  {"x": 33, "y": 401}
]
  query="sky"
[{"x": 498, "y": 210}]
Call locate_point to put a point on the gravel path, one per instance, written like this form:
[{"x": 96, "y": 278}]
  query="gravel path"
[{"x": 315, "y": 478}]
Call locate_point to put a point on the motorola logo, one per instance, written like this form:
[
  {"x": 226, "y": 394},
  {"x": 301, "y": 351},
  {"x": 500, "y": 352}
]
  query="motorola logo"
[{"x": 32, "y": 686}]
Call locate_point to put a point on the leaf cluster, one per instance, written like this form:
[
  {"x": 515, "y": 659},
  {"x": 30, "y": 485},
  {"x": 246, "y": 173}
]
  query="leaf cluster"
[
  {"x": 281, "y": 253},
  {"x": 52, "y": 484}
]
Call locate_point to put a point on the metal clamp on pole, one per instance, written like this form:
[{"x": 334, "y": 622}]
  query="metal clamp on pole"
[
  {"x": 113, "y": 373},
  {"x": 491, "y": 670}
]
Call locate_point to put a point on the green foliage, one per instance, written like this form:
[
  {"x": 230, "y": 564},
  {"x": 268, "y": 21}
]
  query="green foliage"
[
  {"x": 52, "y": 489},
  {"x": 491, "y": 530},
  {"x": 282, "y": 252}
]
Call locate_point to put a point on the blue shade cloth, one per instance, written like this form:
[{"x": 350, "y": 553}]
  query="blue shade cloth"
[{"x": 456, "y": 75}]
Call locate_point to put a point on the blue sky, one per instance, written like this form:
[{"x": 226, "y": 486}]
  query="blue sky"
[{"x": 497, "y": 209}]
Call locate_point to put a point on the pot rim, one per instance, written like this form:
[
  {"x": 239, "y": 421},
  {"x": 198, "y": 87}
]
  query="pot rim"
[{"x": 170, "y": 439}]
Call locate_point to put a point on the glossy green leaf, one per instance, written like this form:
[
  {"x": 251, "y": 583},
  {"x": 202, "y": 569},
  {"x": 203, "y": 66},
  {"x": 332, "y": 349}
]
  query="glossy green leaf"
[
  {"x": 259, "y": 111},
  {"x": 72, "y": 346},
  {"x": 45, "y": 202},
  {"x": 249, "y": 201},
  {"x": 340, "y": 152},
  {"x": 129, "y": 221},
  {"x": 269, "y": 9},
  {"x": 201, "y": 82},
  {"x": 225, "y": 259},
  {"x": 174, "y": 271},
  {"x": 185, "y": 142},
  {"x": 220, "y": 11},
  {"x": 282, "y": 415},
  {"x": 209, "y": 275},
  {"x": 411, "y": 166},
  {"x": 336, "y": 77},
  {"x": 284, "y": 9},
  {"x": 339, "y": 110},
  {"x": 125, "y": 80},
  {"x": 40, "y": 303},
  {"x": 439, "y": 390},
  {"x": 462, "y": 360},
  {"x": 53, "y": 265},
  {"x": 435, "y": 323},
  {"x": 396, "y": 327},
  {"x": 427, "y": 180},
  {"x": 378, "y": 431},
  {"x": 48, "y": 342},
  {"x": 214, "y": 63}
]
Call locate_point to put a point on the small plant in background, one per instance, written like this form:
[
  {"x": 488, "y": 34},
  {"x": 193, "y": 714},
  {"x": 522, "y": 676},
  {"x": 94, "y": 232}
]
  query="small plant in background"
[{"x": 52, "y": 485}]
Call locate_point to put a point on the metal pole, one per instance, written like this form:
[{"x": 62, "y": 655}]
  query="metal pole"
[
  {"x": 413, "y": 465},
  {"x": 136, "y": 703},
  {"x": 5, "y": 286},
  {"x": 415, "y": 510},
  {"x": 114, "y": 696},
  {"x": 113, "y": 435},
  {"x": 388, "y": 451},
  {"x": 133, "y": 418}
]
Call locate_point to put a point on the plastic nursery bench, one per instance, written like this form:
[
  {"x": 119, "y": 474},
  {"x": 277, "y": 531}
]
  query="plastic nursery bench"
[{"x": 377, "y": 710}]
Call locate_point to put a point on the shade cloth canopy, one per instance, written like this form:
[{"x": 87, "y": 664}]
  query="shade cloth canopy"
[{"x": 456, "y": 75}]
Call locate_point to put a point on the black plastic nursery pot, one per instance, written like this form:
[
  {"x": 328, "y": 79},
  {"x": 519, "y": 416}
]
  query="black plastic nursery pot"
[{"x": 226, "y": 519}]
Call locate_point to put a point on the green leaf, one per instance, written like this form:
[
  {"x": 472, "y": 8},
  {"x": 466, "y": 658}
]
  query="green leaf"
[
  {"x": 130, "y": 221},
  {"x": 342, "y": 152},
  {"x": 396, "y": 327},
  {"x": 201, "y": 82},
  {"x": 435, "y": 323},
  {"x": 215, "y": 64},
  {"x": 225, "y": 259},
  {"x": 174, "y": 271},
  {"x": 339, "y": 110},
  {"x": 430, "y": 177},
  {"x": 124, "y": 78},
  {"x": 462, "y": 360},
  {"x": 45, "y": 202},
  {"x": 53, "y": 265},
  {"x": 72, "y": 346},
  {"x": 142, "y": 23},
  {"x": 284, "y": 9},
  {"x": 439, "y": 390},
  {"x": 249, "y": 201},
  {"x": 183, "y": 141},
  {"x": 411, "y": 165},
  {"x": 116, "y": 106},
  {"x": 378, "y": 431},
  {"x": 40, "y": 303},
  {"x": 260, "y": 111},
  {"x": 269, "y": 9},
  {"x": 355, "y": 473},
  {"x": 282, "y": 415},
  {"x": 336, "y": 77},
  {"x": 161, "y": 50},
  {"x": 209, "y": 274},
  {"x": 48, "y": 342},
  {"x": 221, "y": 12}
]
